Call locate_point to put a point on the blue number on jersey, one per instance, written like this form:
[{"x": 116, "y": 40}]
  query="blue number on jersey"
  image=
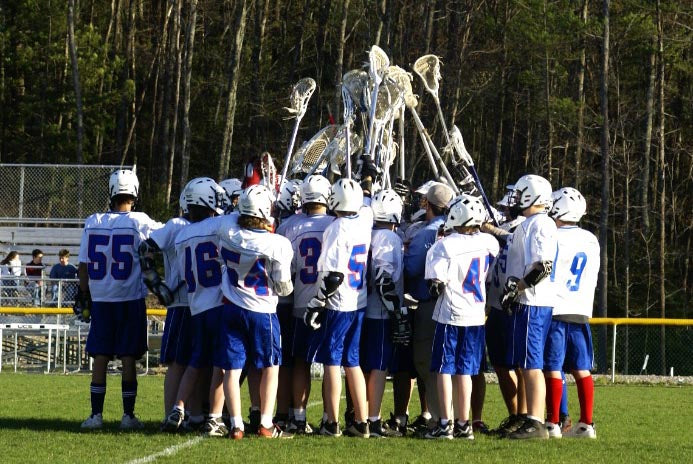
[
  {"x": 208, "y": 267},
  {"x": 121, "y": 267},
  {"x": 356, "y": 267},
  {"x": 310, "y": 249},
  {"x": 578, "y": 265},
  {"x": 231, "y": 257},
  {"x": 257, "y": 278},
  {"x": 500, "y": 265},
  {"x": 189, "y": 276},
  {"x": 472, "y": 281}
]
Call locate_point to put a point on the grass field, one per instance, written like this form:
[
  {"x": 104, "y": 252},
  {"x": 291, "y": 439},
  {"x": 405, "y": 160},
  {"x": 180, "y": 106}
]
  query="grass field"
[{"x": 40, "y": 417}]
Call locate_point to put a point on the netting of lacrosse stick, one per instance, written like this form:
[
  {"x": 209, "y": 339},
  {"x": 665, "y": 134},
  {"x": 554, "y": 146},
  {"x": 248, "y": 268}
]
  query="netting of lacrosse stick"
[
  {"x": 427, "y": 68},
  {"x": 300, "y": 95},
  {"x": 336, "y": 152},
  {"x": 310, "y": 152},
  {"x": 378, "y": 62}
]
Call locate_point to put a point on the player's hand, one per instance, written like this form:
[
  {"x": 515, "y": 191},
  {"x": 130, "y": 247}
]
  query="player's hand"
[
  {"x": 368, "y": 168},
  {"x": 510, "y": 293},
  {"x": 157, "y": 287},
  {"x": 403, "y": 189},
  {"x": 401, "y": 328},
  {"x": 315, "y": 314},
  {"x": 435, "y": 287},
  {"x": 82, "y": 306}
]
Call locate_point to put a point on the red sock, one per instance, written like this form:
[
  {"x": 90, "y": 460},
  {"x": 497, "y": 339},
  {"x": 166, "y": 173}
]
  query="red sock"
[
  {"x": 554, "y": 391},
  {"x": 585, "y": 390}
]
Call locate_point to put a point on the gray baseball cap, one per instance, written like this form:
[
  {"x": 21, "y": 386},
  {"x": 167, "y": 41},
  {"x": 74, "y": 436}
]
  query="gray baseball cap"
[{"x": 439, "y": 195}]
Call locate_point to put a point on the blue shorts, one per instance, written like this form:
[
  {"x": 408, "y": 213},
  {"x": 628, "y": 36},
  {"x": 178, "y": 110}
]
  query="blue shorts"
[
  {"x": 176, "y": 343},
  {"x": 203, "y": 330},
  {"x": 568, "y": 347},
  {"x": 300, "y": 339},
  {"x": 376, "y": 345},
  {"x": 336, "y": 342},
  {"x": 118, "y": 329},
  {"x": 498, "y": 330},
  {"x": 246, "y": 335},
  {"x": 457, "y": 350},
  {"x": 530, "y": 329},
  {"x": 286, "y": 325}
]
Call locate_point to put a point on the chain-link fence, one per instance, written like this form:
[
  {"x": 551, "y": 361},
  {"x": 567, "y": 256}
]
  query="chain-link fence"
[{"x": 54, "y": 193}]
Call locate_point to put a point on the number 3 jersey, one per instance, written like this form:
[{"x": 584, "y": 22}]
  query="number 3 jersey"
[
  {"x": 305, "y": 234},
  {"x": 345, "y": 245},
  {"x": 461, "y": 262},
  {"x": 575, "y": 271},
  {"x": 109, "y": 249},
  {"x": 254, "y": 260},
  {"x": 165, "y": 238}
]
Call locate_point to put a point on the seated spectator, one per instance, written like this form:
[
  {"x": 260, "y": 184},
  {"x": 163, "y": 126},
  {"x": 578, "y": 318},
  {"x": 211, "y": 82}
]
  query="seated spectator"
[
  {"x": 64, "y": 270},
  {"x": 34, "y": 272},
  {"x": 10, "y": 267}
]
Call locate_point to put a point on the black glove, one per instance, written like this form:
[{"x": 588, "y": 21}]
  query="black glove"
[
  {"x": 435, "y": 287},
  {"x": 368, "y": 168},
  {"x": 157, "y": 287},
  {"x": 401, "y": 327},
  {"x": 82, "y": 306},
  {"x": 510, "y": 293},
  {"x": 403, "y": 189},
  {"x": 314, "y": 317}
]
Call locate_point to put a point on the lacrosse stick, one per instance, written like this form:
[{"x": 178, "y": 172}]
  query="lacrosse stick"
[
  {"x": 335, "y": 152},
  {"x": 310, "y": 152},
  {"x": 401, "y": 144},
  {"x": 269, "y": 173},
  {"x": 300, "y": 95},
  {"x": 378, "y": 62},
  {"x": 460, "y": 155},
  {"x": 427, "y": 68}
]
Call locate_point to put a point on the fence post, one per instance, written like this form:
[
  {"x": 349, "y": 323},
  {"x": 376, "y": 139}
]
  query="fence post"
[
  {"x": 613, "y": 358},
  {"x": 21, "y": 193}
]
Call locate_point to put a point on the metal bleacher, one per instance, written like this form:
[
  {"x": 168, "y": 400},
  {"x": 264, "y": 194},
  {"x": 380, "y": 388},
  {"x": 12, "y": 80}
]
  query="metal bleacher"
[{"x": 50, "y": 240}]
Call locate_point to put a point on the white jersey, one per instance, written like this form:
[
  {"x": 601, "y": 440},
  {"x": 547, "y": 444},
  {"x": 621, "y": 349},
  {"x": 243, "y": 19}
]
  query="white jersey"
[
  {"x": 165, "y": 239},
  {"x": 461, "y": 262},
  {"x": 367, "y": 213},
  {"x": 496, "y": 278},
  {"x": 575, "y": 271},
  {"x": 253, "y": 261},
  {"x": 305, "y": 234},
  {"x": 197, "y": 251},
  {"x": 386, "y": 255},
  {"x": 109, "y": 249},
  {"x": 345, "y": 246},
  {"x": 533, "y": 241}
]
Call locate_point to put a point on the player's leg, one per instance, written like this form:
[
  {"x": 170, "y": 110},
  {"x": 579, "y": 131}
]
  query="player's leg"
[
  {"x": 253, "y": 378},
  {"x": 214, "y": 425},
  {"x": 554, "y": 355},
  {"x": 97, "y": 392},
  {"x": 564, "y": 416},
  {"x": 230, "y": 357},
  {"x": 332, "y": 386},
  {"x": 356, "y": 381},
  {"x": 300, "y": 339},
  {"x": 284, "y": 394},
  {"x": 423, "y": 341},
  {"x": 477, "y": 402},
  {"x": 101, "y": 347},
  {"x": 463, "y": 402},
  {"x": 232, "y": 393},
  {"x": 579, "y": 359},
  {"x": 129, "y": 393},
  {"x": 442, "y": 366}
]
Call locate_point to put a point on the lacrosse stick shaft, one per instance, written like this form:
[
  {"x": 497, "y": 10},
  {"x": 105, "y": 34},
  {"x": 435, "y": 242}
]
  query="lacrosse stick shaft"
[
  {"x": 347, "y": 156},
  {"x": 442, "y": 119},
  {"x": 446, "y": 172},
  {"x": 287, "y": 158},
  {"x": 401, "y": 144},
  {"x": 431, "y": 151}
]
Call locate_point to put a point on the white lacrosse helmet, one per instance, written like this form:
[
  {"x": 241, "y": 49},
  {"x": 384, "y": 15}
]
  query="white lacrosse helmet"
[
  {"x": 289, "y": 195},
  {"x": 123, "y": 182},
  {"x": 387, "y": 206},
  {"x": 233, "y": 187},
  {"x": 532, "y": 190},
  {"x": 346, "y": 196},
  {"x": 182, "y": 203},
  {"x": 315, "y": 189},
  {"x": 467, "y": 211},
  {"x": 256, "y": 201},
  {"x": 505, "y": 201},
  {"x": 569, "y": 205},
  {"x": 204, "y": 191}
]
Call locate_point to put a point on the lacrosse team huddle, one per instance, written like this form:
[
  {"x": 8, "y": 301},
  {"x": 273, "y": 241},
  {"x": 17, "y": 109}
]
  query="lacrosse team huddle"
[{"x": 361, "y": 274}]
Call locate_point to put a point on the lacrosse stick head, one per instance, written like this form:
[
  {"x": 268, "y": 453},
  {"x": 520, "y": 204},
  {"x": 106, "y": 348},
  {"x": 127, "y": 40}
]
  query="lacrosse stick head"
[
  {"x": 403, "y": 80},
  {"x": 336, "y": 149},
  {"x": 388, "y": 101},
  {"x": 457, "y": 149},
  {"x": 300, "y": 94},
  {"x": 428, "y": 69},
  {"x": 354, "y": 82},
  {"x": 378, "y": 62},
  {"x": 311, "y": 151}
]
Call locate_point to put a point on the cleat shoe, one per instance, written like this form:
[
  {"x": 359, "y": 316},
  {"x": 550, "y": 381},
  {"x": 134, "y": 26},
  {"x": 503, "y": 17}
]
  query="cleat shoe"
[
  {"x": 330, "y": 429},
  {"x": 481, "y": 427},
  {"x": 358, "y": 430},
  {"x": 378, "y": 430},
  {"x": 582, "y": 430},
  {"x": 93, "y": 422},
  {"x": 566, "y": 423},
  {"x": 253, "y": 421},
  {"x": 395, "y": 424},
  {"x": 236, "y": 434},
  {"x": 530, "y": 429},
  {"x": 553, "y": 429},
  {"x": 173, "y": 421},
  {"x": 281, "y": 421},
  {"x": 299, "y": 427},
  {"x": 349, "y": 418},
  {"x": 214, "y": 427},
  {"x": 441, "y": 431},
  {"x": 465, "y": 432},
  {"x": 273, "y": 432},
  {"x": 420, "y": 424},
  {"x": 508, "y": 426},
  {"x": 190, "y": 426},
  {"x": 129, "y": 422}
]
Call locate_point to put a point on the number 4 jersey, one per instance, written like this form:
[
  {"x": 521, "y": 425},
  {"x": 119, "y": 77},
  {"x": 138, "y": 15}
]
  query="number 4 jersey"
[
  {"x": 461, "y": 262},
  {"x": 109, "y": 249},
  {"x": 575, "y": 271}
]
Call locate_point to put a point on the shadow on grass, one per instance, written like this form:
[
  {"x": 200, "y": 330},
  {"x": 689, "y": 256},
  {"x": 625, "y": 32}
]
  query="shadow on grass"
[{"x": 62, "y": 425}]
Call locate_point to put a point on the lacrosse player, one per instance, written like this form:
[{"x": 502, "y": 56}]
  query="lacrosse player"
[
  {"x": 333, "y": 311},
  {"x": 258, "y": 265},
  {"x": 569, "y": 343},
  {"x": 530, "y": 295},
  {"x": 112, "y": 292},
  {"x": 197, "y": 256},
  {"x": 305, "y": 232},
  {"x": 384, "y": 319},
  {"x": 456, "y": 267},
  {"x": 233, "y": 188}
]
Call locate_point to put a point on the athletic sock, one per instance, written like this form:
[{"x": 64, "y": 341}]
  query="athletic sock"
[
  {"x": 237, "y": 422},
  {"x": 554, "y": 390},
  {"x": 403, "y": 419},
  {"x": 373, "y": 418},
  {"x": 426, "y": 415},
  {"x": 300, "y": 414},
  {"x": 585, "y": 389},
  {"x": 266, "y": 421},
  {"x": 129, "y": 397},
  {"x": 564, "y": 397},
  {"x": 98, "y": 394},
  {"x": 444, "y": 422}
]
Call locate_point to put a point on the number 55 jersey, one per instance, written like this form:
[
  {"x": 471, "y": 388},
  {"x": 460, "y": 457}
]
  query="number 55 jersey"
[{"x": 576, "y": 269}]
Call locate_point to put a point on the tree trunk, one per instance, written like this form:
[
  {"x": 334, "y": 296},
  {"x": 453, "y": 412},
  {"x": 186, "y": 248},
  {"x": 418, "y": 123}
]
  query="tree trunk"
[
  {"x": 662, "y": 195},
  {"x": 75, "y": 77},
  {"x": 234, "y": 77},
  {"x": 339, "y": 62},
  {"x": 501, "y": 115},
  {"x": 581, "y": 99},
  {"x": 547, "y": 102},
  {"x": 176, "y": 49},
  {"x": 647, "y": 143},
  {"x": 187, "y": 74},
  {"x": 604, "y": 216}
]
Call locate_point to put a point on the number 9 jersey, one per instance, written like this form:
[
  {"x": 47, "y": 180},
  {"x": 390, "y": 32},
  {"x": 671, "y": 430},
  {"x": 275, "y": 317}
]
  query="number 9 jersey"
[
  {"x": 575, "y": 271},
  {"x": 109, "y": 249}
]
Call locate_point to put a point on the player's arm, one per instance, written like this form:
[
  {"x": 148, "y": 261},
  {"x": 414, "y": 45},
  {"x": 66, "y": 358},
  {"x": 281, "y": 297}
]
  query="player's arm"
[
  {"x": 539, "y": 271},
  {"x": 436, "y": 270},
  {"x": 329, "y": 283},
  {"x": 281, "y": 271},
  {"x": 150, "y": 275}
]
